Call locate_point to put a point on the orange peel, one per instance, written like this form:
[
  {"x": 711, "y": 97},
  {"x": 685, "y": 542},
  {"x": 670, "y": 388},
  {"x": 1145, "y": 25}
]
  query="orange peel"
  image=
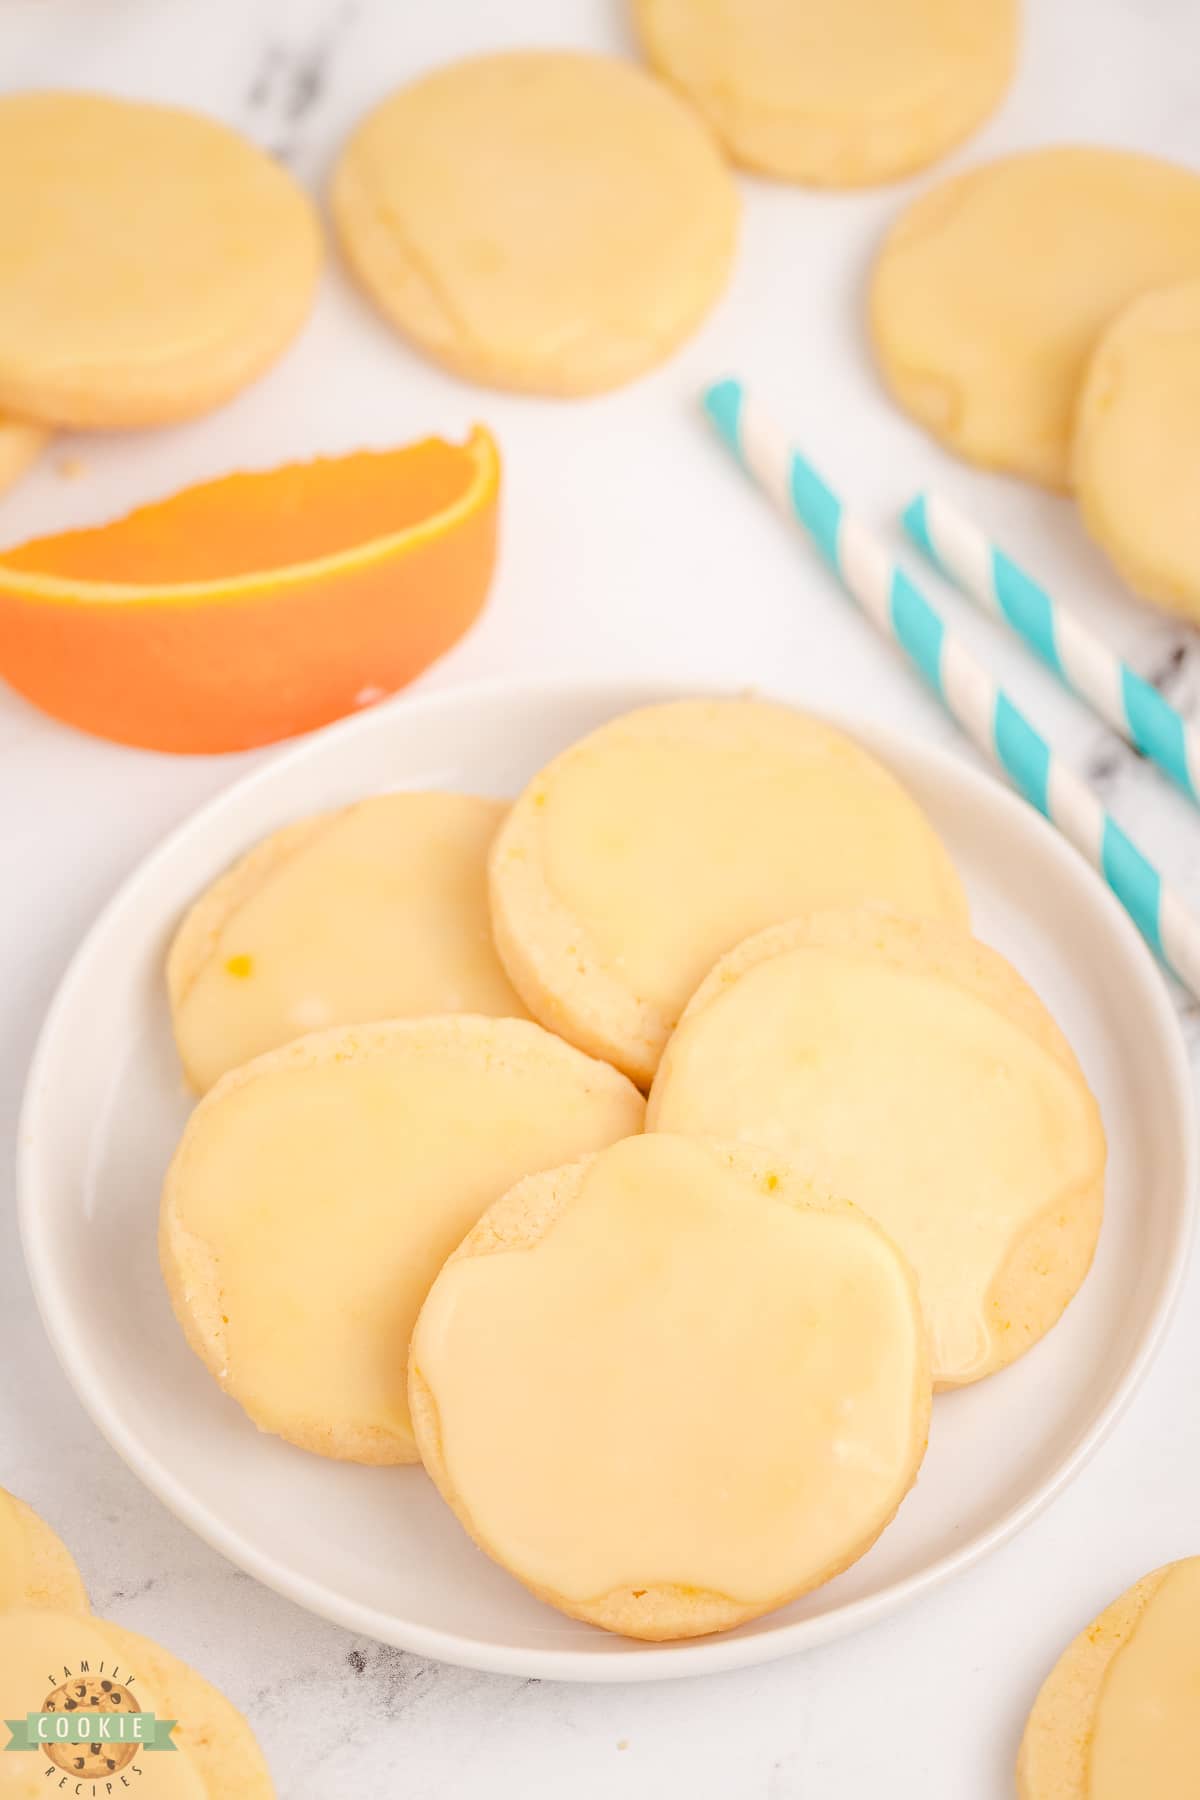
[{"x": 260, "y": 605}]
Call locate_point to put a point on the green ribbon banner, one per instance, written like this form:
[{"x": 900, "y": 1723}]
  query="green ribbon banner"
[{"x": 38, "y": 1730}]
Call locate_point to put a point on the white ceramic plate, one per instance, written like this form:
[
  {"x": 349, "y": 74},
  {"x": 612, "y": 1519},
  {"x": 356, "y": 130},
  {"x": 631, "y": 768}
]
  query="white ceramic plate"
[{"x": 376, "y": 1549}]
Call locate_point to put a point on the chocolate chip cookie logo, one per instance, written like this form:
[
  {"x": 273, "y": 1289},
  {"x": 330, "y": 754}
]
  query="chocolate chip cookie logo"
[{"x": 92, "y": 1727}]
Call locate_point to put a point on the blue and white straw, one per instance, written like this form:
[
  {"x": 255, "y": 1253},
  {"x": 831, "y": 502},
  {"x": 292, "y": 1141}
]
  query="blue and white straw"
[
  {"x": 898, "y": 608},
  {"x": 1058, "y": 636}
]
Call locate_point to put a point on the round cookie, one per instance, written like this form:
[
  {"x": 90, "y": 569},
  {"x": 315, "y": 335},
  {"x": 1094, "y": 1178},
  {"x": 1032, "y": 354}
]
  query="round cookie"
[
  {"x": 1117, "y": 1715},
  {"x": 216, "y": 1756},
  {"x": 689, "y": 1389},
  {"x": 1136, "y": 446},
  {"x": 840, "y": 96},
  {"x": 991, "y": 292},
  {"x": 379, "y": 911},
  {"x": 625, "y": 248},
  {"x": 317, "y": 1191},
  {"x": 36, "y": 1568},
  {"x": 910, "y": 1069},
  {"x": 20, "y": 447},
  {"x": 155, "y": 261},
  {"x": 648, "y": 849},
  {"x": 212, "y": 1733}
]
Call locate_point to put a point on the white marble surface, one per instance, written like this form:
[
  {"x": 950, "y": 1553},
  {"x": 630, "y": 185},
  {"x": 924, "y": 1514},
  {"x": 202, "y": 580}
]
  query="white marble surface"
[{"x": 627, "y": 546}]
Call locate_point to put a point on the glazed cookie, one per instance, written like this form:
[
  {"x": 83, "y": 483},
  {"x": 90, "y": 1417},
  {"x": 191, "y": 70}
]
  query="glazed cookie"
[
  {"x": 20, "y": 446},
  {"x": 648, "y": 849},
  {"x": 991, "y": 292},
  {"x": 211, "y": 1732},
  {"x": 1117, "y": 1716},
  {"x": 909, "y": 1068},
  {"x": 36, "y": 1568},
  {"x": 376, "y": 912},
  {"x": 155, "y": 262},
  {"x": 672, "y": 1386},
  {"x": 1137, "y": 445},
  {"x": 843, "y": 95},
  {"x": 628, "y": 243},
  {"x": 109, "y": 1670},
  {"x": 318, "y": 1190}
]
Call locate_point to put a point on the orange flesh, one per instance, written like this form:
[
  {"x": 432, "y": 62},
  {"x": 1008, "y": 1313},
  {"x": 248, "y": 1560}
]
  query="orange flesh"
[{"x": 243, "y": 524}]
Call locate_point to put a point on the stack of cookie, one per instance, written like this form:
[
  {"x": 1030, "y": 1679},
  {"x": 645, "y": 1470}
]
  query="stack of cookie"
[
  {"x": 46, "y": 1624},
  {"x": 671, "y": 1361}
]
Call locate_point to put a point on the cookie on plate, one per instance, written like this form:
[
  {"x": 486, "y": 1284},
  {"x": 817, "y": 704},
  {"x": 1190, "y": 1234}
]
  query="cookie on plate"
[
  {"x": 108, "y": 1670},
  {"x": 379, "y": 911},
  {"x": 991, "y": 291},
  {"x": 843, "y": 95},
  {"x": 317, "y": 1191},
  {"x": 538, "y": 219},
  {"x": 1117, "y": 1716},
  {"x": 648, "y": 849},
  {"x": 1137, "y": 445},
  {"x": 912, "y": 1070},
  {"x": 155, "y": 261},
  {"x": 672, "y": 1386},
  {"x": 36, "y": 1568}
]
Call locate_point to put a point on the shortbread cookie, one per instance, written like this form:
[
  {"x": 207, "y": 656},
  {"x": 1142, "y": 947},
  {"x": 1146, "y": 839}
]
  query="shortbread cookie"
[
  {"x": 672, "y": 1386},
  {"x": 20, "y": 447},
  {"x": 843, "y": 95},
  {"x": 648, "y": 849},
  {"x": 992, "y": 290},
  {"x": 911, "y": 1070},
  {"x": 154, "y": 261},
  {"x": 36, "y": 1568},
  {"x": 1118, "y": 1717},
  {"x": 1136, "y": 447},
  {"x": 544, "y": 220},
  {"x": 379, "y": 911},
  {"x": 108, "y": 1670},
  {"x": 318, "y": 1190}
]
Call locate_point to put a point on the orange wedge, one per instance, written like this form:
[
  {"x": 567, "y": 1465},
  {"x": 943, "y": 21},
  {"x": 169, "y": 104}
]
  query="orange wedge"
[{"x": 250, "y": 608}]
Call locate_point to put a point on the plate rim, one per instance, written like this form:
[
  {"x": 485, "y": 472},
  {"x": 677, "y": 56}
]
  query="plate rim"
[{"x": 639, "y": 1662}]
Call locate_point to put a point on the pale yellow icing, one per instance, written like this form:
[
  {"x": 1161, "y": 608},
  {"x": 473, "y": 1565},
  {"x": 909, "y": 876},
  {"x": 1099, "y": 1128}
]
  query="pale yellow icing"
[
  {"x": 670, "y": 855},
  {"x": 315, "y": 1197},
  {"x": 38, "y": 1650},
  {"x": 379, "y": 913},
  {"x": 690, "y": 1379},
  {"x": 861, "y": 91},
  {"x": 650, "y": 848},
  {"x": 1137, "y": 442},
  {"x": 905, "y": 1092},
  {"x": 128, "y": 301},
  {"x": 626, "y": 244},
  {"x": 993, "y": 288},
  {"x": 1146, "y": 1735}
]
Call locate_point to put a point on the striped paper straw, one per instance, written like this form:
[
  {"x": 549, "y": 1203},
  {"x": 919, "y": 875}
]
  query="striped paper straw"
[
  {"x": 1080, "y": 659},
  {"x": 898, "y": 608}
]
